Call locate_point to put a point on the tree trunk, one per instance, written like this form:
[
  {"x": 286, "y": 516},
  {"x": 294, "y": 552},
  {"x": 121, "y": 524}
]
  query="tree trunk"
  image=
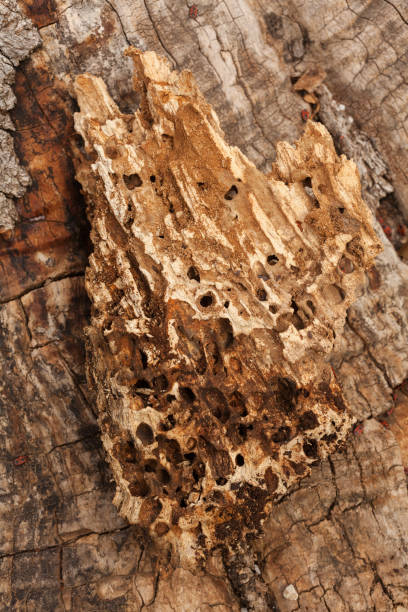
[{"x": 337, "y": 539}]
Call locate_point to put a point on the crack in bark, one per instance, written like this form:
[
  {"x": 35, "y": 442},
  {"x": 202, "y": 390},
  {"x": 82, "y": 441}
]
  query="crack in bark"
[
  {"x": 397, "y": 10},
  {"x": 25, "y": 315},
  {"x": 378, "y": 580},
  {"x": 67, "y": 542},
  {"x": 247, "y": 584},
  {"x": 47, "y": 281},
  {"x": 61, "y": 576},
  {"x": 71, "y": 443},
  {"x": 120, "y": 21},
  {"x": 155, "y": 28},
  {"x": 378, "y": 365},
  {"x": 336, "y": 490}
]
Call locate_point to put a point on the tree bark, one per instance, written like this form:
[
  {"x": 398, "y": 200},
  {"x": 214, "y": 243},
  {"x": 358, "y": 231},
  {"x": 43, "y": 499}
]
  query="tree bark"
[{"x": 338, "y": 539}]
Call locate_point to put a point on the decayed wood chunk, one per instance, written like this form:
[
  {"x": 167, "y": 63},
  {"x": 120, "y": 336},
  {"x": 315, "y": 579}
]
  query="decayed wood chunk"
[{"x": 217, "y": 294}]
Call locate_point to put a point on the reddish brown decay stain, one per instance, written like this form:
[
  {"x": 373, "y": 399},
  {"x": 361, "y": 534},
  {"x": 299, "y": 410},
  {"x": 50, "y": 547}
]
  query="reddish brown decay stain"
[
  {"x": 50, "y": 238},
  {"x": 41, "y": 12}
]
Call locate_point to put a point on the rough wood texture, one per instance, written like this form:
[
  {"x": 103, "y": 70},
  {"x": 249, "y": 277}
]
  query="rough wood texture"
[
  {"x": 18, "y": 37},
  {"x": 217, "y": 293},
  {"x": 245, "y": 56}
]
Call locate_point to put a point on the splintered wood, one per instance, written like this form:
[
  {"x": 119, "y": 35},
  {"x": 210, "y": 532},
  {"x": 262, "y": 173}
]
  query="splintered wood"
[{"x": 217, "y": 293}]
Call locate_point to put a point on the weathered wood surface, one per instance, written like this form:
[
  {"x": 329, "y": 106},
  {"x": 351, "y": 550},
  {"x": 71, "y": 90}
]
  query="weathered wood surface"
[
  {"x": 341, "y": 538},
  {"x": 217, "y": 294}
]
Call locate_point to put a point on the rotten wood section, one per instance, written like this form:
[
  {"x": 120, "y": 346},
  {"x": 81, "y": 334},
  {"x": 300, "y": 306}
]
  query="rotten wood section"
[{"x": 217, "y": 292}]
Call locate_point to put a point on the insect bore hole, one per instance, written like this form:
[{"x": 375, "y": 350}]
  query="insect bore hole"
[
  {"x": 145, "y": 434},
  {"x": 221, "y": 481},
  {"x": 272, "y": 260},
  {"x": 143, "y": 357},
  {"x": 261, "y": 295},
  {"x": 206, "y": 301},
  {"x": 231, "y": 193},
  {"x": 239, "y": 460},
  {"x": 187, "y": 394},
  {"x": 132, "y": 180},
  {"x": 193, "y": 274}
]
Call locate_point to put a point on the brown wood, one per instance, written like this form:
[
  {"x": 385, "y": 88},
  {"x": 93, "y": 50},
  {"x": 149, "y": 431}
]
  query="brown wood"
[{"x": 340, "y": 537}]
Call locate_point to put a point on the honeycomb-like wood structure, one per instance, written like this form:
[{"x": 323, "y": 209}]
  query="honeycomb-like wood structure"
[{"x": 217, "y": 293}]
